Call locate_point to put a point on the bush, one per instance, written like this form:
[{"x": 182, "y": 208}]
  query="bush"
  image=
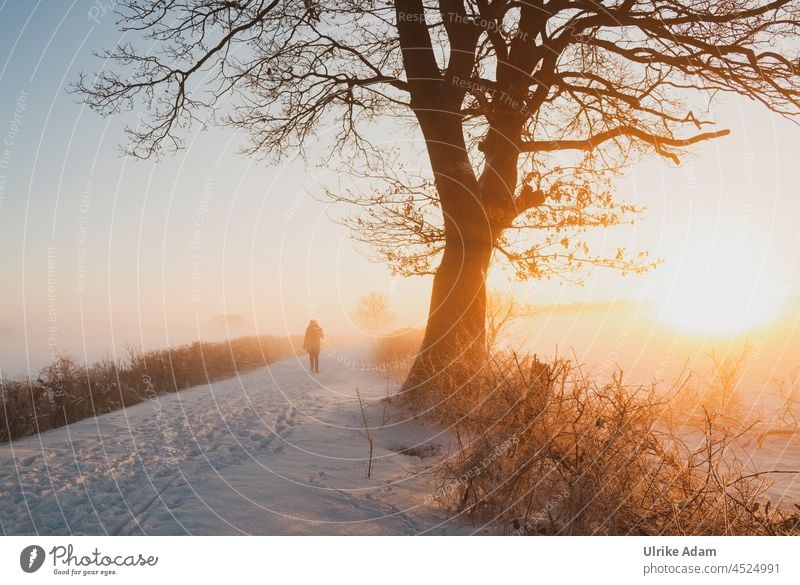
[
  {"x": 718, "y": 391},
  {"x": 543, "y": 449},
  {"x": 65, "y": 392},
  {"x": 395, "y": 353}
]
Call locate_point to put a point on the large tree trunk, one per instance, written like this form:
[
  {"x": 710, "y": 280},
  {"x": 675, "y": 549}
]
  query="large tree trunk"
[
  {"x": 473, "y": 213},
  {"x": 456, "y": 325},
  {"x": 455, "y": 336}
]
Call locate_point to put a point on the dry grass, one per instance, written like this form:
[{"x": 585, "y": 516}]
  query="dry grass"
[
  {"x": 718, "y": 391},
  {"x": 65, "y": 392},
  {"x": 544, "y": 449},
  {"x": 788, "y": 392}
]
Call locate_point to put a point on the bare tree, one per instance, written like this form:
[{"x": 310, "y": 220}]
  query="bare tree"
[
  {"x": 525, "y": 110},
  {"x": 373, "y": 312},
  {"x": 503, "y": 309}
]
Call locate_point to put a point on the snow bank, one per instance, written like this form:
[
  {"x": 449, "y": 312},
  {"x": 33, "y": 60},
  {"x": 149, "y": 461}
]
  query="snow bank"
[{"x": 275, "y": 451}]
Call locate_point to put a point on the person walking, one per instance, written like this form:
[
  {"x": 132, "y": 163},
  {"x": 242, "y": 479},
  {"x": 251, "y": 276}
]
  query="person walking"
[{"x": 311, "y": 343}]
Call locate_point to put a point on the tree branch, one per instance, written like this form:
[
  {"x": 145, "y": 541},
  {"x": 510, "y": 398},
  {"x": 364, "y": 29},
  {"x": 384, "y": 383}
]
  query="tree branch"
[{"x": 658, "y": 142}]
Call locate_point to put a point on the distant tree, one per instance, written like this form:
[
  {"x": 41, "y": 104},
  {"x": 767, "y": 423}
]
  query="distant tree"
[
  {"x": 525, "y": 110},
  {"x": 373, "y": 312},
  {"x": 503, "y": 309}
]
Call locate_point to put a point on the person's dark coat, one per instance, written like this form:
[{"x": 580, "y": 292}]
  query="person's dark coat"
[{"x": 314, "y": 335}]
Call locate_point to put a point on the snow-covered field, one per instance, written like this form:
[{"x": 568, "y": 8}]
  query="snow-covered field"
[{"x": 275, "y": 451}]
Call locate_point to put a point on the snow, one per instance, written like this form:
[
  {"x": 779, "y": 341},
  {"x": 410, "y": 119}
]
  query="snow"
[{"x": 274, "y": 451}]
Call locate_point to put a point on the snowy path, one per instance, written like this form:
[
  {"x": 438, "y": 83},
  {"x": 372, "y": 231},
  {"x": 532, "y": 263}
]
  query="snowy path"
[{"x": 275, "y": 451}]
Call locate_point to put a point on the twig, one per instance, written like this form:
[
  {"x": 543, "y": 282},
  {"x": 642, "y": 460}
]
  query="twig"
[
  {"x": 768, "y": 472},
  {"x": 366, "y": 429}
]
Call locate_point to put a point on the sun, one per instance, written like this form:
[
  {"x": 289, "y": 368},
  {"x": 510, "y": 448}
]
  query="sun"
[{"x": 725, "y": 288}]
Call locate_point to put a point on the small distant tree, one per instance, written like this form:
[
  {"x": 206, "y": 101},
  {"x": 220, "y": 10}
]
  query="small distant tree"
[
  {"x": 502, "y": 310},
  {"x": 373, "y": 312}
]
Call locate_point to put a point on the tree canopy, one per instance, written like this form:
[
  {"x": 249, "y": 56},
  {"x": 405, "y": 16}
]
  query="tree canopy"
[{"x": 525, "y": 110}]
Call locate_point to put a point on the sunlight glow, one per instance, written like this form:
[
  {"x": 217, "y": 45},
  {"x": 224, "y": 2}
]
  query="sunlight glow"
[{"x": 728, "y": 289}]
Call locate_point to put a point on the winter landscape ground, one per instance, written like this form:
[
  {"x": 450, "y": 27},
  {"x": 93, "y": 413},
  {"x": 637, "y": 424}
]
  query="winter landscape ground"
[{"x": 274, "y": 451}]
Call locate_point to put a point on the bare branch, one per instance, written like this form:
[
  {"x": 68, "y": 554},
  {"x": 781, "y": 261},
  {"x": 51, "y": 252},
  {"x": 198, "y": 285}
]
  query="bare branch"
[{"x": 659, "y": 143}]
